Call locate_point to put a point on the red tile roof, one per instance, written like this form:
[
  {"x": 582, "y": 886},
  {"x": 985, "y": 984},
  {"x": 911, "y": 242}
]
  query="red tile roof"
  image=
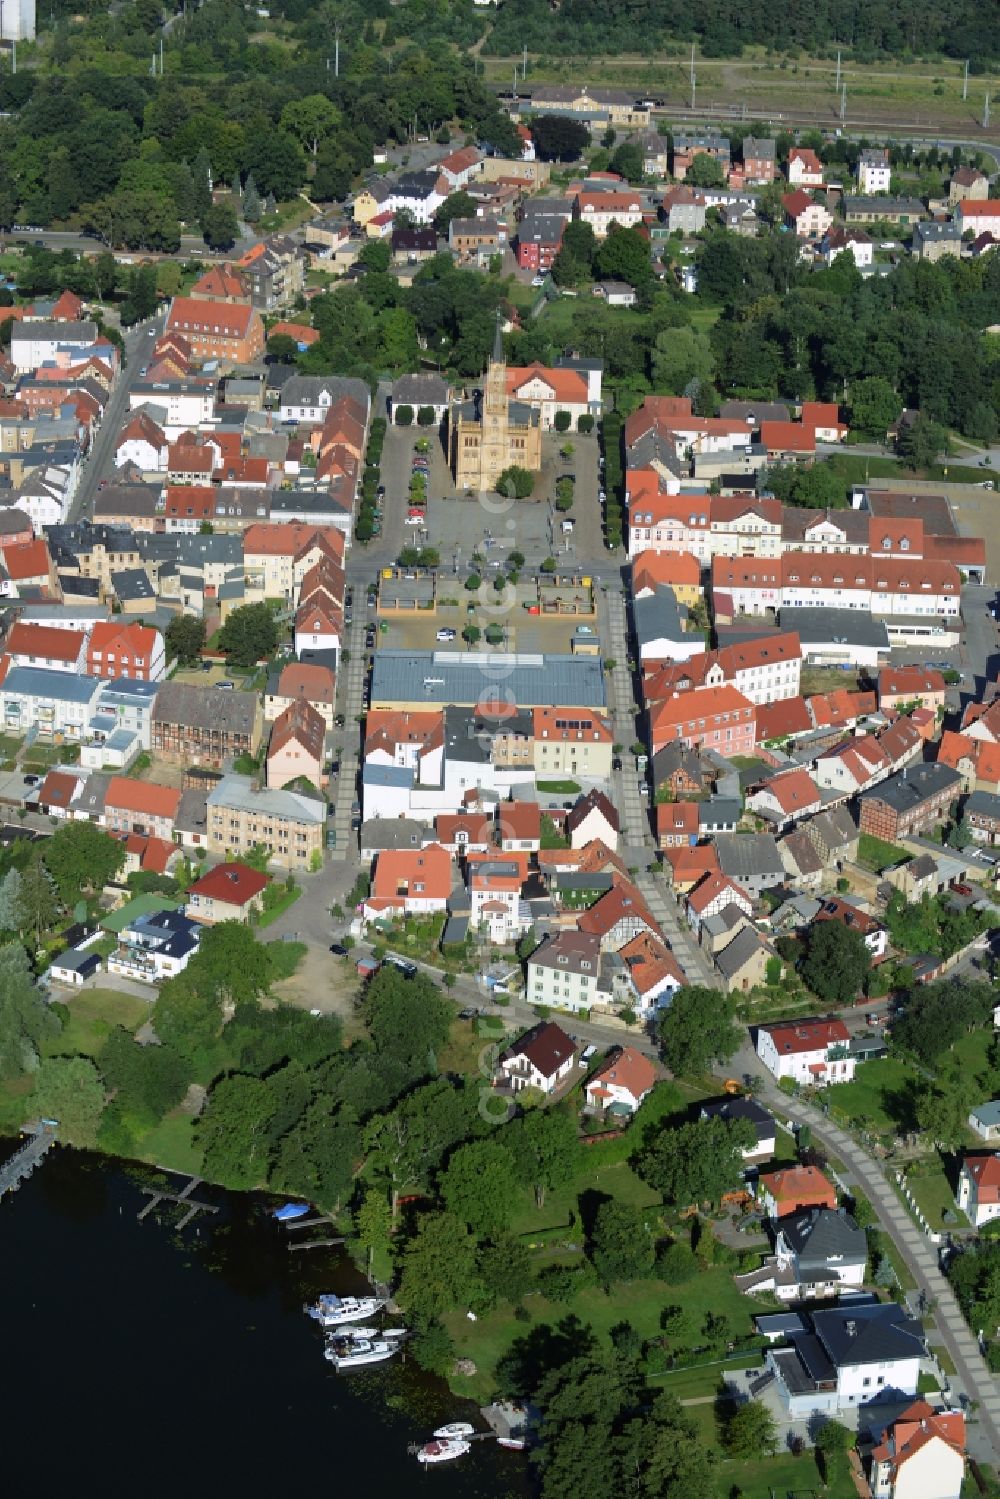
[
  {"x": 45, "y": 641},
  {"x": 546, "y": 1047},
  {"x": 797, "y": 1187},
  {"x": 796, "y": 1036},
  {"x": 142, "y": 797},
  {"x": 234, "y": 883},
  {"x": 627, "y": 1069}
]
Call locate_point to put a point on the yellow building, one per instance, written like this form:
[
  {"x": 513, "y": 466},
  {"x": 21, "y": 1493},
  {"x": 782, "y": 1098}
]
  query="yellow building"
[{"x": 490, "y": 433}]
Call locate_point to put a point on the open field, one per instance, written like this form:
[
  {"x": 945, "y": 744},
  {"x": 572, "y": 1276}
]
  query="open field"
[{"x": 915, "y": 97}]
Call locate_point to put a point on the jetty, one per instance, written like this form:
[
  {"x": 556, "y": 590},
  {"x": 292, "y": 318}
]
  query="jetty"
[
  {"x": 23, "y": 1162},
  {"x": 157, "y": 1195},
  {"x": 318, "y": 1220}
]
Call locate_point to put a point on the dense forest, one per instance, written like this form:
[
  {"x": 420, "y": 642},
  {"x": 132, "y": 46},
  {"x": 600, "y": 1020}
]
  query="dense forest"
[{"x": 957, "y": 28}]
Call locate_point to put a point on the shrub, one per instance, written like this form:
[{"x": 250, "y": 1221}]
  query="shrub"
[
  {"x": 585, "y": 423},
  {"x": 562, "y": 421},
  {"x": 676, "y": 1264},
  {"x": 403, "y": 416},
  {"x": 425, "y": 416}
]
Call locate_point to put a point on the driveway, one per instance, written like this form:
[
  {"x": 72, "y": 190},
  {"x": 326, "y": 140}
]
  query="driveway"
[{"x": 917, "y": 1253}]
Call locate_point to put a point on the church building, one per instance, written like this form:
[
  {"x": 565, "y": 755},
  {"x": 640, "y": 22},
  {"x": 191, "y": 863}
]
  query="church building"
[{"x": 491, "y": 431}]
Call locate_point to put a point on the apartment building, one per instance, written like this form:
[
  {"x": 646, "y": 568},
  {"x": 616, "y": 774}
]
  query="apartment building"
[
  {"x": 242, "y": 817},
  {"x": 563, "y": 971}
]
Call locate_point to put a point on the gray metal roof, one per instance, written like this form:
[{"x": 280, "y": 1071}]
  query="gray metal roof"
[
  {"x": 469, "y": 677},
  {"x": 239, "y": 792},
  {"x": 822, "y": 1235},
  {"x": 60, "y": 686},
  {"x": 392, "y": 833},
  {"x": 63, "y": 333},
  {"x": 318, "y": 390},
  {"x": 658, "y": 616},
  {"x": 855, "y": 627}
]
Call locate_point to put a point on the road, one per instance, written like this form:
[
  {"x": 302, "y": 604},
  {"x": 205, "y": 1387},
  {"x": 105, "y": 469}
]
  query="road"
[
  {"x": 89, "y": 244},
  {"x": 100, "y": 461},
  {"x": 918, "y": 1254}
]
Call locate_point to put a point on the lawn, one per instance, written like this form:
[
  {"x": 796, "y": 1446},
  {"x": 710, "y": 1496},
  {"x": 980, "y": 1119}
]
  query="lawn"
[
  {"x": 876, "y": 854},
  {"x": 280, "y": 906},
  {"x": 171, "y": 1144},
  {"x": 769, "y": 1477},
  {"x": 875, "y": 1100},
  {"x": 818, "y": 679},
  {"x": 639, "y": 1303},
  {"x": 695, "y": 1383},
  {"x": 559, "y": 788},
  {"x": 933, "y": 1192},
  {"x": 93, "y": 1013},
  {"x": 285, "y": 958}
]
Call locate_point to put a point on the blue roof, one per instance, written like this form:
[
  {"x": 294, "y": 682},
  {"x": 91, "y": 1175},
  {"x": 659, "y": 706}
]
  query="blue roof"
[
  {"x": 387, "y": 775},
  {"x": 127, "y": 687},
  {"x": 37, "y": 681}
]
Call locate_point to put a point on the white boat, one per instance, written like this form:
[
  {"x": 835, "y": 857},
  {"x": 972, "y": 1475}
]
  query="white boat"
[
  {"x": 353, "y": 1331},
  {"x": 455, "y": 1429},
  {"x": 334, "y": 1311},
  {"x": 443, "y": 1450},
  {"x": 349, "y": 1354},
  {"x": 516, "y": 1444}
]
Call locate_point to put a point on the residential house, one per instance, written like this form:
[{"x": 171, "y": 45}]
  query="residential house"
[
  {"x": 903, "y": 686},
  {"x": 934, "y": 241},
  {"x": 687, "y": 147},
  {"x": 653, "y": 973},
  {"x": 154, "y": 946},
  {"x": 916, "y": 878},
  {"x": 866, "y": 210},
  {"x": 920, "y": 1454},
  {"x": 848, "y": 1356},
  {"x": 593, "y": 816},
  {"x": 141, "y": 807},
  {"x": 786, "y": 798},
  {"x": 718, "y": 718},
  {"x": 984, "y": 1120},
  {"x": 676, "y": 824},
  {"x": 674, "y": 570},
  {"x": 205, "y": 725},
  {"x": 814, "y": 1053},
  {"x": 873, "y": 169},
  {"x": 817, "y": 1255},
  {"x": 910, "y": 802},
  {"x": 760, "y": 165},
  {"x": 618, "y": 916},
  {"x": 978, "y": 1193},
  {"x": 743, "y": 961},
  {"x": 678, "y": 767},
  {"x": 685, "y": 210},
  {"x": 982, "y": 813},
  {"x": 809, "y": 218},
  {"x": 804, "y": 168},
  {"x": 847, "y": 914},
  {"x": 751, "y": 859},
  {"x": 295, "y": 749},
  {"x": 839, "y": 240},
  {"x": 242, "y": 817},
  {"x": 45, "y": 647},
  {"x": 602, "y": 209},
  {"x": 802, "y": 862},
  {"x": 713, "y": 893},
  {"x": 301, "y": 682},
  {"x": 794, "y": 1189},
  {"x": 495, "y": 902},
  {"x": 56, "y": 704},
  {"x": 834, "y": 835},
  {"x": 229, "y": 892},
  {"x": 135, "y": 651},
  {"x": 542, "y": 1059},
  {"x": 741, "y": 1107},
  {"x": 621, "y": 1082},
  {"x": 571, "y": 741},
  {"x": 53, "y": 798},
  {"x": 231, "y": 333},
  {"x": 413, "y": 882},
  {"x": 563, "y": 971},
  {"x": 982, "y": 216},
  {"x": 417, "y": 392},
  {"x": 660, "y": 629}
]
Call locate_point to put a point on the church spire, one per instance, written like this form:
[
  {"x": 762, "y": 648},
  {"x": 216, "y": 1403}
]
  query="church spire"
[{"x": 498, "y": 340}]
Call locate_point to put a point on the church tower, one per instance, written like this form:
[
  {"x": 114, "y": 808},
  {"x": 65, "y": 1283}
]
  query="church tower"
[{"x": 494, "y": 447}]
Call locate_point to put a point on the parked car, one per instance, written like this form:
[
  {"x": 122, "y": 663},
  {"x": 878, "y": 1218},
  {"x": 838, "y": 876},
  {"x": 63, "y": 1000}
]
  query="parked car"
[
  {"x": 226, "y": 686},
  {"x": 447, "y": 634},
  {"x": 414, "y": 520},
  {"x": 339, "y": 950}
]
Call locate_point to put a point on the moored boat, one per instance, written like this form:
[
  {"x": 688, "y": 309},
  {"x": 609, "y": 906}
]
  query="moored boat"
[
  {"x": 350, "y": 1354},
  {"x": 516, "y": 1444},
  {"x": 456, "y": 1430},
  {"x": 334, "y": 1311},
  {"x": 443, "y": 1450}
]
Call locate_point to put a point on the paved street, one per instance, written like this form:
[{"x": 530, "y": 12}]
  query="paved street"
[
  {"x": 696, "y": 966},
  {"x": 918, "y": 1254},
  {"x": 100, "y": 462},
  {"x": 633, "y": 808}
]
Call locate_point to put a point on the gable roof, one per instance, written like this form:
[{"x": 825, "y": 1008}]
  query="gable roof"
[
  {"x": 794, "y": 1036},
  {"x": 627, "y": 1069},
  {"x": 985, "y": 1172},
  {"x": 594, "y": 801},
  {"x": 143, "y": 797},
  {"x": 546, "y": 1047},
  {"x": 45, "y": 641},
  {"x": 235, "y": 883}
]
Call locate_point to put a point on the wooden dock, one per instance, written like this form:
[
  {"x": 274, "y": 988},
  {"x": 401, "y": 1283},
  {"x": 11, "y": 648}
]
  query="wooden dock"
[
  {"x": 312, "y": 1244},
  {"x": 23, "y": 1162},
  {"x": 157, "y": 1195}
]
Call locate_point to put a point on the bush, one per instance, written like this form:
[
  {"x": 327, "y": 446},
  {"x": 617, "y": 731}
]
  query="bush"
[
  {"x": 585, "y": 423},
  {"x": 403, "y": 416},
  {"x": 516, "y": 481},
  {"x": 425, "y": 416},
  {"x": 676, "y": 1264},
  {"x": 562, "y": 421}
]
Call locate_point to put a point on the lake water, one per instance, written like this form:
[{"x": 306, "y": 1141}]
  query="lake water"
[{"x": 136, "y": 1361}]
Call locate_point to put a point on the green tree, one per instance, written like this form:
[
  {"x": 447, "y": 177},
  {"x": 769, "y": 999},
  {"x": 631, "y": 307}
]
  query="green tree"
[
  {"x": 185, "y": 637},
  {"x": 231, "y": 963},
  {"x": 310, "y": 119},
  {"x": 70, "y": 1090},
  {"x": 921, "y": 442},
  {"x": 408, "y": 1019},
  {"x": 557, "y": 138},
  {"x": 282, "y": 348},
  {"x": 874, "y": 406},
  {"x": 25, "y": 1019},
  {"x": 373, "y": 1225},
  {"x": 480, "y": 1187},
  {"x": 456, "y": 206},
  {"x": 80, "y": 857},
  {"x": 38, "y": 897},
  {"x": 628, "y": 162},
  {"x": 621, "y": 1245},
  {"x": 516, "y": 482},
  {"x": 750, "y": 1430},
  {"x": 234, "y": 1130},
  {"x": 186, "y": 1017},
  {"x": 408, "y": 1143},
  {"x": 836, "y": 962},
  {"x": 249, "y": 634},
  {"x": 376, "y": 255},
  {"x": 705, "y": 171},
  {"x": 942, "y": 1111},
  {"x": 12, "y": 912},
  {"x": 546, "y": 1150},
  {"x": 624, "y": 256},
  {"x": 696, "y": 1162},
  {"x": 681, "y": 355},
  {"x": 697, "y": 1029},
  {"x": 251, "y": 207},
  {"x": 219, "y": 226},
  {"x": 439, "y": 1268},
  {"x": 147, "y": 1081},
  {"x": 403, "y": 415},
  {"x": 276, "y": 161}
]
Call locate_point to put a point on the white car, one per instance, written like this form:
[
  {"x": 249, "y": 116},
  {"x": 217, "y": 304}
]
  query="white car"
[
  {"x": 538, "y": 280},
  {"x": 414, "y": 520},
  {"x": 446, "y": 634}
]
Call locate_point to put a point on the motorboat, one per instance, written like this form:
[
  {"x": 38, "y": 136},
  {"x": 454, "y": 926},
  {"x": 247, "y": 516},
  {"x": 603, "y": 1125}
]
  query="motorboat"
[
  {"x": 455, "y": 1430},
  {"x": 443, "y": 1450},
  {"x": 291, "y": 1211},
  {"x": 357, "y": 1334},
  {"x": 516, "y": 1444},
  {"x": 347, "y": 1353},
  {"x": 334, "y": 1311}
]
